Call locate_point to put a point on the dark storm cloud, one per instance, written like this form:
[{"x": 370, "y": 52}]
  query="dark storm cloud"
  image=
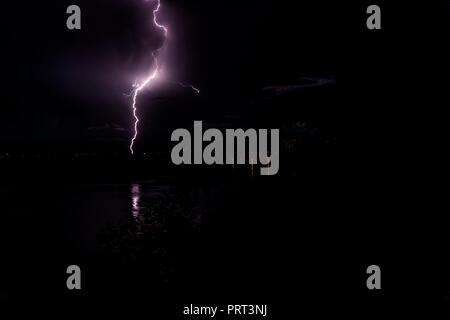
[
  {"x": 302, "y": 83},
  {"x": 113, "y": 49}
]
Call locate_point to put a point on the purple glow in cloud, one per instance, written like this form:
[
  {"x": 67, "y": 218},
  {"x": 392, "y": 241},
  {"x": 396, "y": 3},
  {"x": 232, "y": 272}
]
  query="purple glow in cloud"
[{"x": 154, "y": 74}]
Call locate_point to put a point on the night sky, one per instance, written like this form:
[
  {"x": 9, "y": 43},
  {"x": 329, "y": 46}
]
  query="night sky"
[{"x": 61, "y": 84}]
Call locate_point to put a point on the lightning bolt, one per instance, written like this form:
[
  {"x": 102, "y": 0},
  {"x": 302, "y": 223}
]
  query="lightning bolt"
[
  {"x": 197, "y": 91},
  {"x": 153, "y": 75}
]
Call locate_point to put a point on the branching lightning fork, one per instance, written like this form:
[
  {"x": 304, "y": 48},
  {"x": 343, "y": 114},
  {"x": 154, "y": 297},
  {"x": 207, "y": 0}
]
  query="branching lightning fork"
[{"x": 154, "y": 74}]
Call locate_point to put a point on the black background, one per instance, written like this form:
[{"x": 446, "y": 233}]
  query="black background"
[{"x": 300, "y": 241}]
